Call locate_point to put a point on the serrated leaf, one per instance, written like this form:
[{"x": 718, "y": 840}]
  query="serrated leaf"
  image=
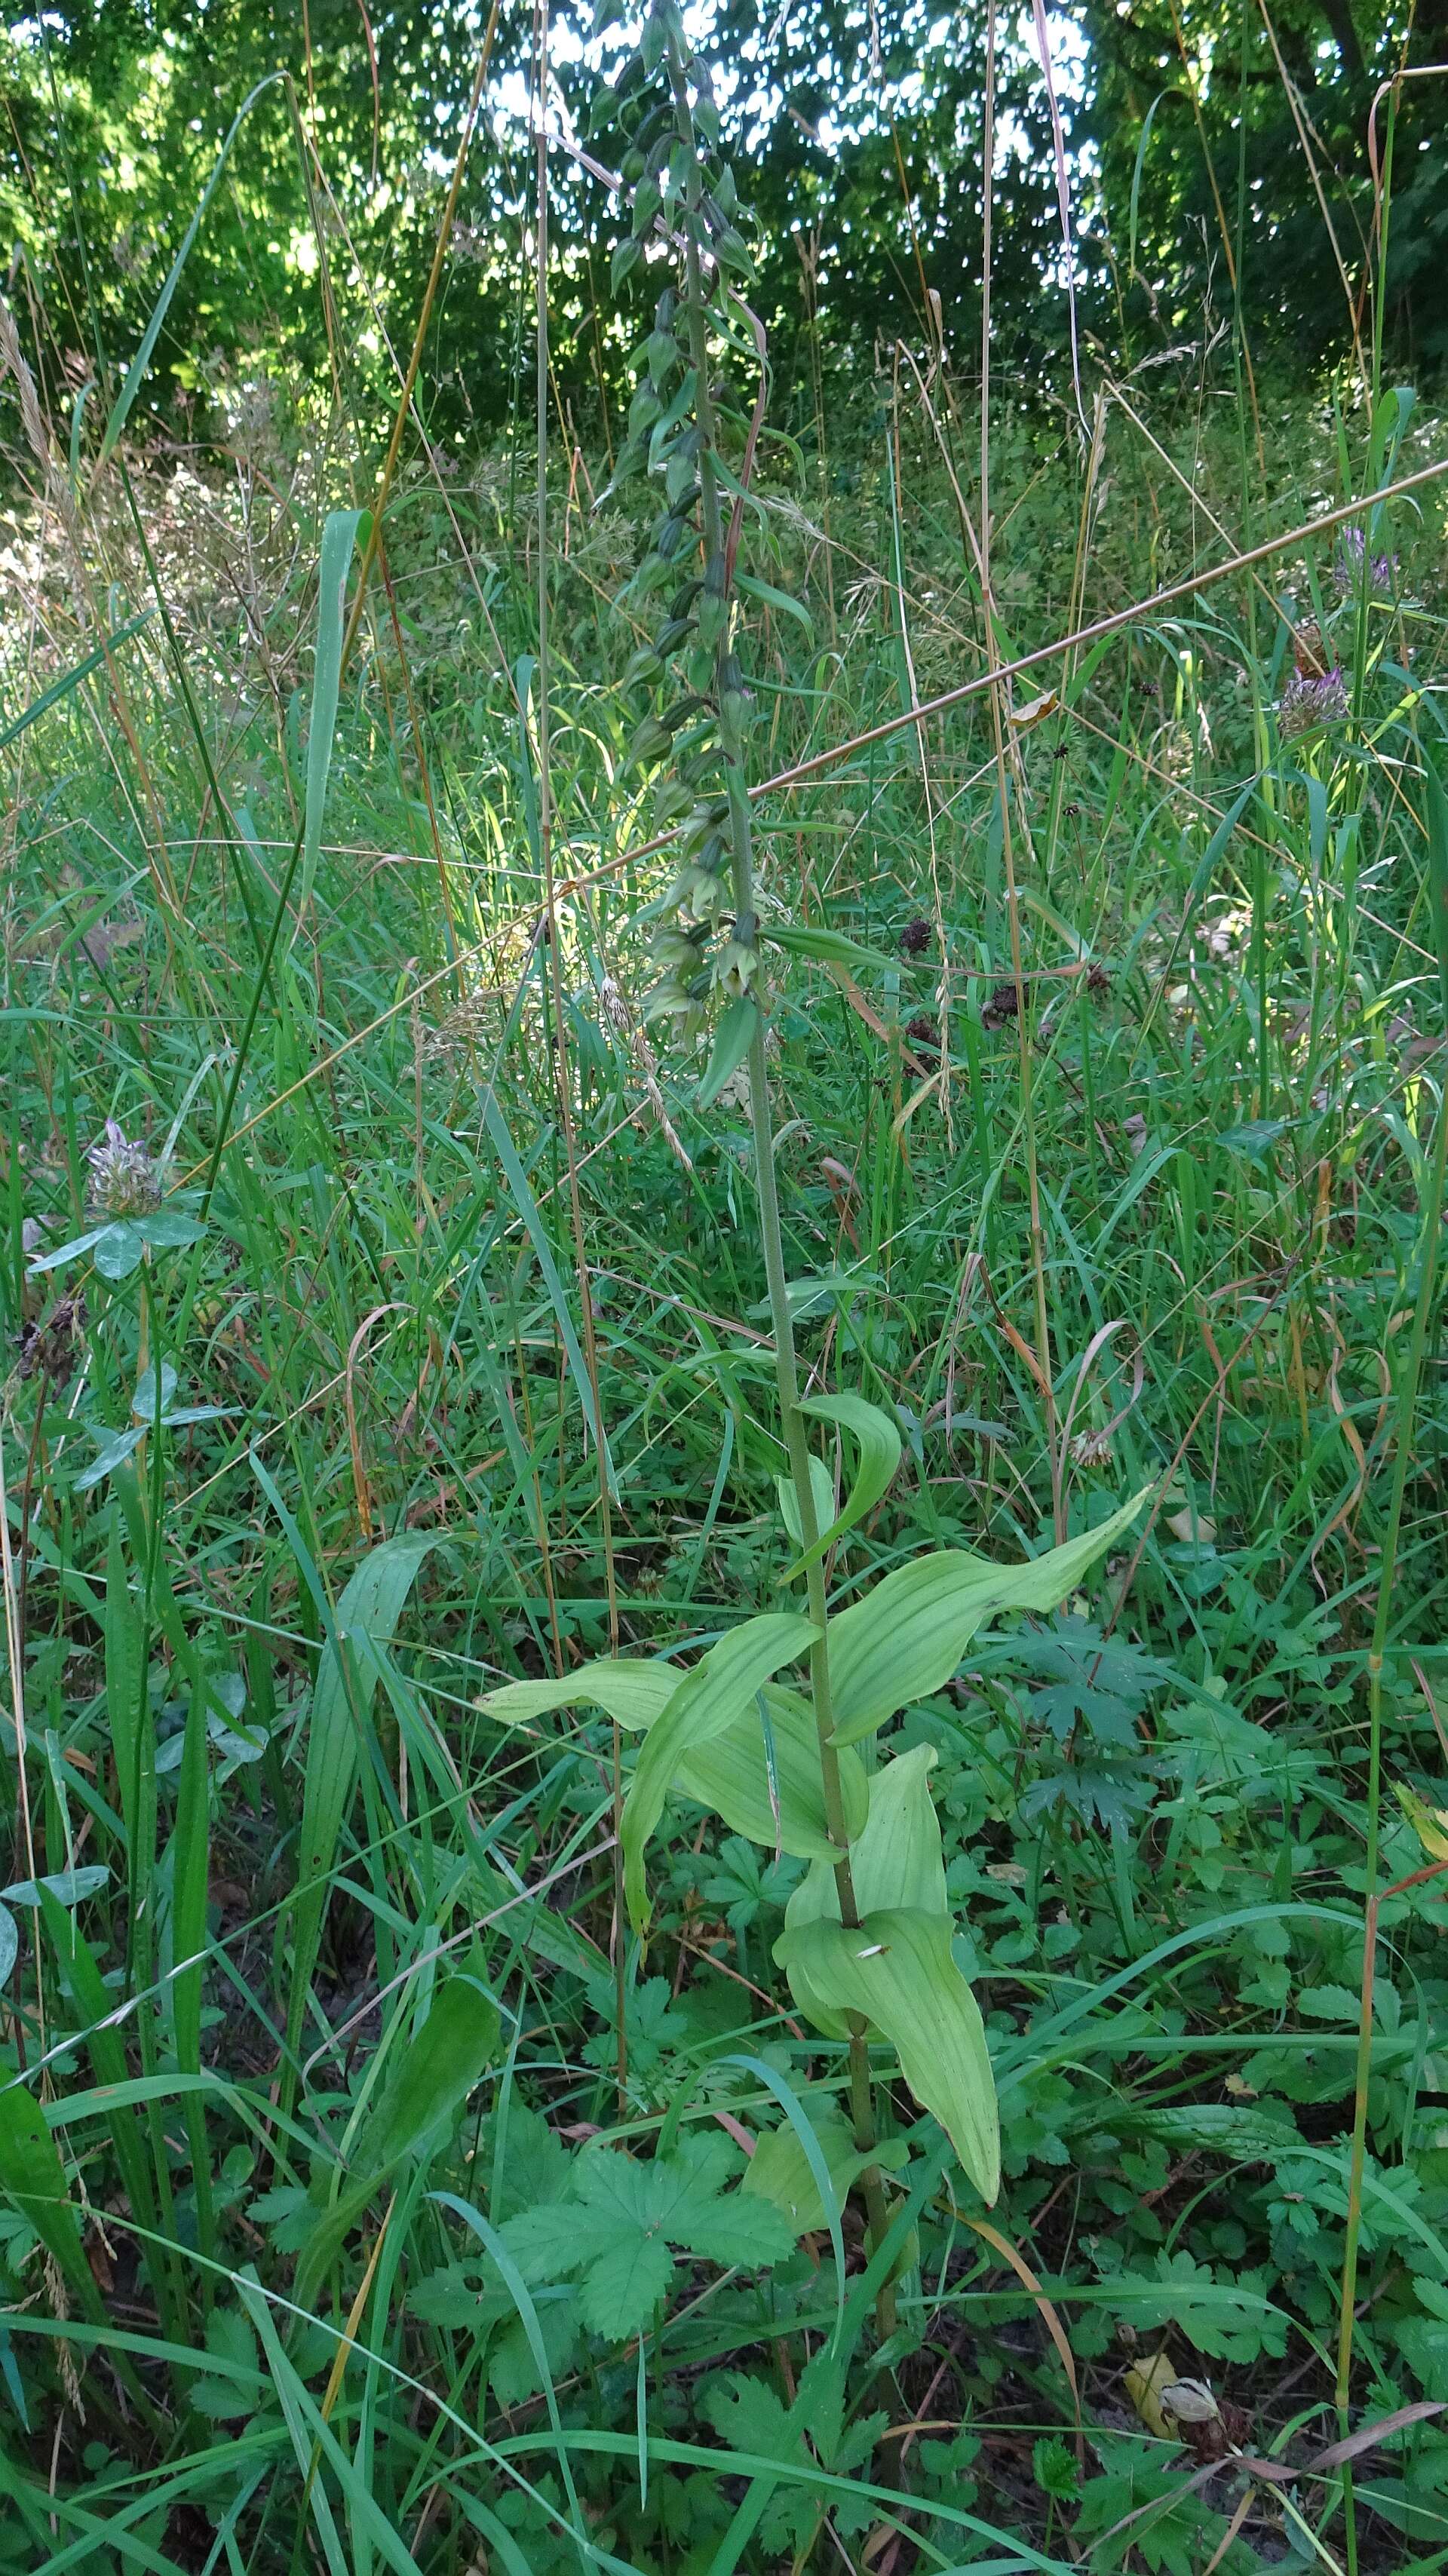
[
  {"x": 707, "y": 1700},
  {"x": 896, "y": 1968},
  {"x": 877, "y": 1439},
  {"x": 622, "y": 2288},
  {"x": 906, "y": 1637}
]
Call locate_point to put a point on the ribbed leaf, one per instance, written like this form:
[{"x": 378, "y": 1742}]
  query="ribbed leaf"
[
  {"x": 32, "y": 2178},
  {"x": 732, "y": 1040},
  {"x": 340, "y": 530},
  {"x": 720, "y": 1687},
  {"x": 905, "y": 1639},
  {"x": 897, "y": 1970},
  {"x": 896, "y": 1861},
  {"x": 732, "y": 1773},
  {"x": 429, "y": 2077},
  {"x": 625, "y": 1688},
  {"x": 780, "y": 2170},
  {"x": 878, "y": 1441},
  {"x": 734, "y": 1776}
]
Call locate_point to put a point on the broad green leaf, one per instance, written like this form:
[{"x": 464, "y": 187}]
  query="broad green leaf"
[
  {"x": 878, "y": 1441},
  {"x": 780, "y": 2170},
  {"x": 67, "y": 1886},
  {"x": 32, "y": 2179},
  {"x": 822, "y": 1486},
  {"x": 340, "y": 530},
  {"x": 731, "y": 1774},
  {"x": 9, "y": 1943},
  {"x": 779, "y": 1801},
  {"x": 721, "y": 1685},
  {"x": 896, "y": 1969},
  {"x": 830, "y": 947},
  {"x": 905, "y": 1639},
  {"x": 429, "y": 2078},
  {"x": 896, "y": 1861},
  {"x": 628, "y": 1690},
  {"x": 768, "y": 597},
  {"x": 731, "y": 1045},
  {"x": 118, "y": 1250},
  {"x": 432, "y": 2075},
  {"x": 347, "y": 1678}
]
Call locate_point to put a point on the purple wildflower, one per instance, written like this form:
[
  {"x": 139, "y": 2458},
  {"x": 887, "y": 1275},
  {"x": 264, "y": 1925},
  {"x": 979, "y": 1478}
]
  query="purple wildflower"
[
  {"x": 1347, "y": 570},
  {"x": 124, "y": 1180},
  {"x": 1312, "y": 698}
]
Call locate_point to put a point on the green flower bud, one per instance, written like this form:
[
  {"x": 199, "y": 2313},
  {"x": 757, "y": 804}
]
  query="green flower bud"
[
  {"x": 735, "y": 968},
  {"x": 653, "y": 741}
]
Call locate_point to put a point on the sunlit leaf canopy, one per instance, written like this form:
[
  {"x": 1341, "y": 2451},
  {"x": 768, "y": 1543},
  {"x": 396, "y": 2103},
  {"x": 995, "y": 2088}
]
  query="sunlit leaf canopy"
[{"x": 1186, "y": 132}]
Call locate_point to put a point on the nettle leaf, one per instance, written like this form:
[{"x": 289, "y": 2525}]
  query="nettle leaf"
[
  {"x": 721, "y": 1686},
  {"x": 1227, "y": 2320},
  {"x": 750, "y": 2417},
  {"x": 878, "y": 1440},
  {"x": 897, "y": 1969},
  {"x": 906, "y": 1637},
  {"x": 1105, "y": 1793}
]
